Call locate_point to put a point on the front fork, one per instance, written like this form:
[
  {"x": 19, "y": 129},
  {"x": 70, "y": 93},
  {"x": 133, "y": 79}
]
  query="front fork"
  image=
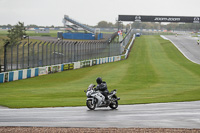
[{"x": 92, "y": 99}]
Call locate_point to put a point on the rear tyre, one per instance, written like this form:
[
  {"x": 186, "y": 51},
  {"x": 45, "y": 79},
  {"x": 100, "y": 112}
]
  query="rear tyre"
[
  {"x": 90, "y": 105},
  {"x": 113, "y": 104}
]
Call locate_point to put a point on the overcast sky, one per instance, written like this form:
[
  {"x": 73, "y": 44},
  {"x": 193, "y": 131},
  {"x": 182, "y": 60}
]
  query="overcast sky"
[{"x": 51, "y": 12}]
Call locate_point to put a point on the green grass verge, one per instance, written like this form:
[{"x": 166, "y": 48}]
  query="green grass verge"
[{"x": 154, "y": 72}]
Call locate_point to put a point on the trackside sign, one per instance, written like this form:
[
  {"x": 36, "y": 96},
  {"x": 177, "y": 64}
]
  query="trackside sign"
[{"x": 142, "y": 18}]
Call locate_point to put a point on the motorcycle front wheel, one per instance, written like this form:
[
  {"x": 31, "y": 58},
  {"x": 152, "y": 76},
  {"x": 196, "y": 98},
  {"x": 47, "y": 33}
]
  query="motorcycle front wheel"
[{"x": 90, "y": 105}]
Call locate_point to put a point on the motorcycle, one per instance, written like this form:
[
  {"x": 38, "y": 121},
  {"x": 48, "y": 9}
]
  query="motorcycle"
[{"x": 96, "y": 99}]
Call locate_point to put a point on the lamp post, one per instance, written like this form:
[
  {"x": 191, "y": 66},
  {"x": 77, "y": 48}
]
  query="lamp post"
[{"x": 26, "y": 36}]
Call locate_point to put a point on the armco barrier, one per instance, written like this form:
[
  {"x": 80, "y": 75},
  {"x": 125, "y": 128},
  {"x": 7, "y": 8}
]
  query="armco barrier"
[
  {"x": 10, "y": 76},
  {"x": 33, "y": 72},
  {"x": 20, "y": 74},
  {"x": 24, "y": 74},
  {"x": 1, "y": 77},
  {"x": 16, "y": 75}
]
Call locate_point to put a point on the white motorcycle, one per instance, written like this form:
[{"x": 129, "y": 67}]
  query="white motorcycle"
[{"x": 96, "y": 99}]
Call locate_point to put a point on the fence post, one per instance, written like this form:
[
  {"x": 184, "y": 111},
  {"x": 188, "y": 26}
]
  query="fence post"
[
  {"x": 62, "y": 52},
  {"x": 65, "y": 52},
  {"x": 58, "y": 53},
  {"x": 23, "y": 55},
  {"x": 38, "y": 56},
  {"x": 47, "y": 53},
  {"x": 70, "y": 51},
  {"x": 54, "y": 53},
  {"x": 109, "y": 49},
  {"x": 74, "y": 52},
  {"x": 28, "y": 52},
  {"x": 18, "y": 54},
  {"x": 12, "y": 55},
  {"x": 51, "y": 51},
  {"x": 42, "y": 52},
  {"x": 33, "y": 61},
  {"x": 5, "y": 56}
]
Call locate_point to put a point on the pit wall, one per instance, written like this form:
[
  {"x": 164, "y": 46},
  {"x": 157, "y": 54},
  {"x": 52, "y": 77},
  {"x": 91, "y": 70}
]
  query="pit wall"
[{"x": 33, "y": 72}]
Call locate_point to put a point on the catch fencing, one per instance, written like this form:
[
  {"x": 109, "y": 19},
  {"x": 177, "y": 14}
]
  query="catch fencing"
[{"x": 25, "y": 55}]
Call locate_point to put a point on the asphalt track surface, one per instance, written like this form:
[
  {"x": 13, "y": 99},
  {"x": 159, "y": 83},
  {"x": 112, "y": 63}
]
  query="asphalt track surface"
[
  {"x": 156, "y": 115},
  {"x": 187, "y": 45}
]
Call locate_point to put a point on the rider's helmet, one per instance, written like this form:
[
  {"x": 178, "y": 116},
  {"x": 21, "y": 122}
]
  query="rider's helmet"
[{"x": 99, "y": 80}]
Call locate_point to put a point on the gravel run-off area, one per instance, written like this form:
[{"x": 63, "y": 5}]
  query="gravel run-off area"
[{"x": 94, "y": 130}]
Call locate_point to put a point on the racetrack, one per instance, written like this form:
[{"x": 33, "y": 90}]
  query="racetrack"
[
  {"x": 187, "y": 45},
  {"x": 156, "y": 115}
]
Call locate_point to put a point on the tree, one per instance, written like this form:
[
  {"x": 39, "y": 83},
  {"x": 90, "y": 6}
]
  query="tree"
[
  {"x": 32, "y": 26},
  {"x": 102, "y": 24},
  {"x": 16, "y": 33}
]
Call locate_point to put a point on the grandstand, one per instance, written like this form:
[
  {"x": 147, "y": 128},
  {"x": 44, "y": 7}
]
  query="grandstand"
[{"x": 90, "y": 33}]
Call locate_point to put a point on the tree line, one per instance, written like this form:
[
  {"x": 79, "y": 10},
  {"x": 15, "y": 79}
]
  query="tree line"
[
  {"x": 135, "y": 25},
  {"x": 151, "y": 25}
]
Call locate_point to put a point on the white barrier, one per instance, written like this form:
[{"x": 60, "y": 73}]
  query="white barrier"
[
  {"x": 33, "y": 72},
  {"x": 24, "y": 74},
  {"x": 16, "y": 75}
]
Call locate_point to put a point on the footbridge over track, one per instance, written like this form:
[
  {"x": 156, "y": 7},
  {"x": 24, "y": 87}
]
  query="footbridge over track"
[{"x": 143, "y": 18}]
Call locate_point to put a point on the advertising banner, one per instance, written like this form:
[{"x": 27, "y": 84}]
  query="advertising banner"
[
  {"x": 85, "y": 63},
  {"x": 94, "y": 62},
  {"x": 59, "y": 67},
  {"x": 49, "y": 69},
  {"x": 117, "y": 58},
  {"x": 91, "y": 62},
  {"x": 68, "y": 67},
  {"x": 55, "y": 68},
  {"x": 77, "y": 65},
  {"x": 43, "y": 70}
]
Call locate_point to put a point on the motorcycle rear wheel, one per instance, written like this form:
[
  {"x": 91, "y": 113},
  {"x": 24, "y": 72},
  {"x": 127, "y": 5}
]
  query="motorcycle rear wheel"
[
  {"x": 90, "y": 105},
  {"x": 113, "y": 105}
]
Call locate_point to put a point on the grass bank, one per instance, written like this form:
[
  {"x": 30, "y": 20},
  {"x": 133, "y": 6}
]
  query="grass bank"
[{"x": 154, "y": 72}]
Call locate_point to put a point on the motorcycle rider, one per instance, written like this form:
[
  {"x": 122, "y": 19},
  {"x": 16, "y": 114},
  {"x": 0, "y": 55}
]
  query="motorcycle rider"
[{"x": 102, "y": 87}]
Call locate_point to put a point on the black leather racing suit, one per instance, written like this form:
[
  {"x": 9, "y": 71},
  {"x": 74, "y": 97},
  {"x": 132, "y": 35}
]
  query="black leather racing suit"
[{"x": 103, "y": 89}]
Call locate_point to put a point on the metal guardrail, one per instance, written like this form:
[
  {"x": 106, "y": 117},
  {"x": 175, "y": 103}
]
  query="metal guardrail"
[{"x": 37, "y": 54}]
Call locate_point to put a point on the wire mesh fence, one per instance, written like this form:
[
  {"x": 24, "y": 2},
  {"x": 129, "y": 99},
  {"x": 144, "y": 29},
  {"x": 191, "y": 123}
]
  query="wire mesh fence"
[{"x": 24, "y": 55}]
